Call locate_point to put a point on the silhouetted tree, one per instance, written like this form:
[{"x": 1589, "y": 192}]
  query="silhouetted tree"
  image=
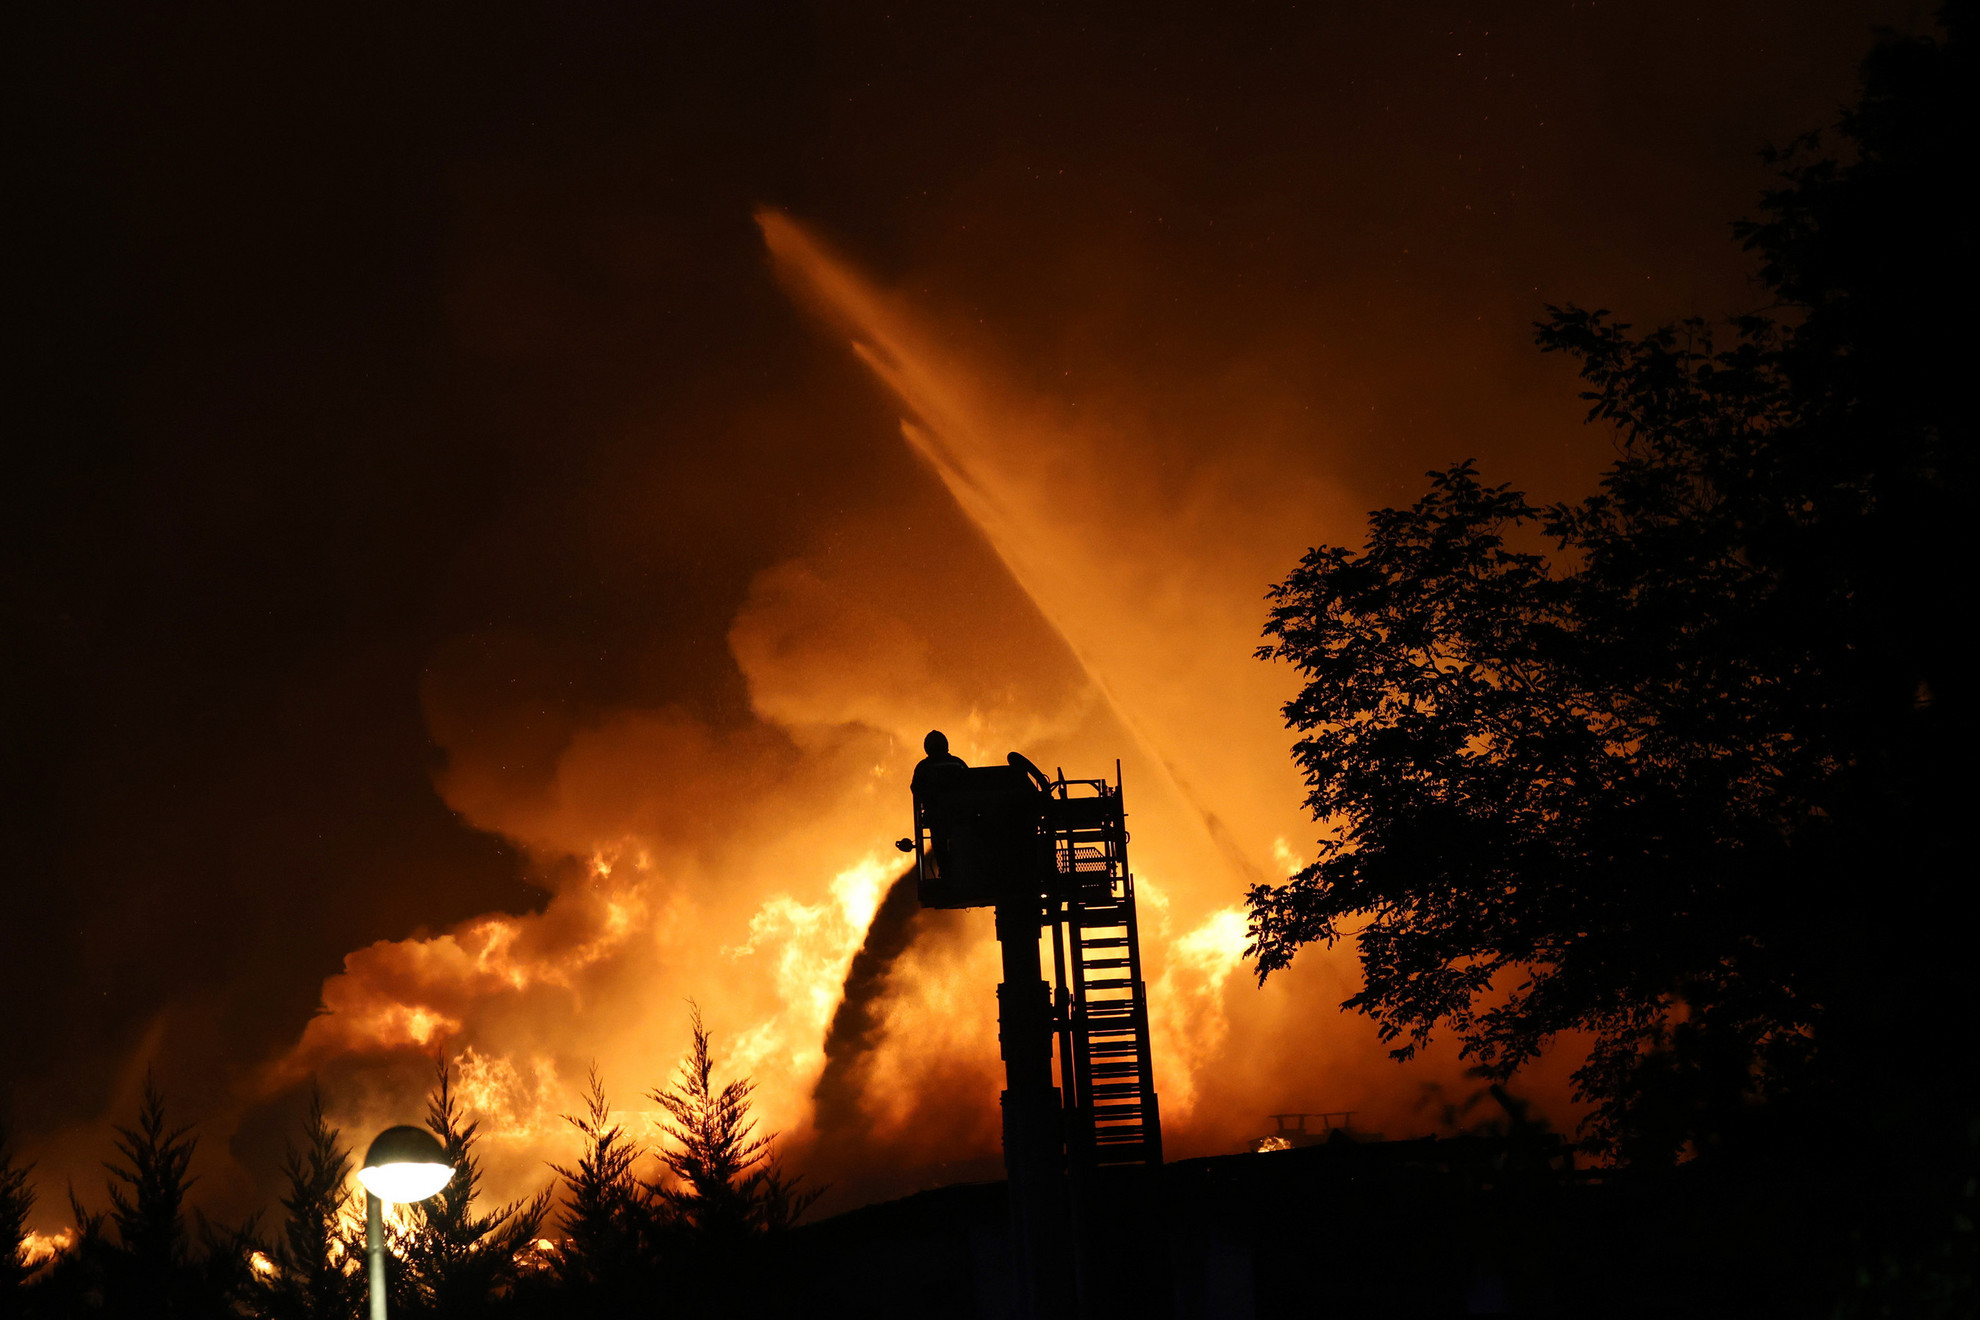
[
  {"x": 615, "y": 1228},
  {"x": 78, "y": 1280},
  {"x": 316, "y": 1277},
  {"x": 712, "y": 1151},
  {"x": 147, "y": 1205},
  {"x": 453, "y": 1261},
  {"x": 780, "y": 1198},
  {"x": 1678, "y": 765},
  {"x": 726, "y": 1185},
  {"x": 1685, "y": 782},
  {"x": 227, "y": 1283},
  {"x": 151, "y": 1269},
  {"x": 16, "y": 1203}
]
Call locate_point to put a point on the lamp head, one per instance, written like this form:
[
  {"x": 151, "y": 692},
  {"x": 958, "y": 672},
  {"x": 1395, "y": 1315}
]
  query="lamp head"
[{"x": 405, "y": 1164}]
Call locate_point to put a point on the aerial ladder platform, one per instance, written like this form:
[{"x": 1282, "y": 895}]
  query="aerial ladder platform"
[
  {"x": 1050, "y": 856},
  {"x": 1106, "y": 1072}
]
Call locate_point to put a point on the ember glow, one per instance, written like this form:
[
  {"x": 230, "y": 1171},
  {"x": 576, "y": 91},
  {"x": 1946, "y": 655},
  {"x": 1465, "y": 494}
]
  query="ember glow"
[
  {"x": 743, "y": 868},
  {"x": 37, "y": 1248}
]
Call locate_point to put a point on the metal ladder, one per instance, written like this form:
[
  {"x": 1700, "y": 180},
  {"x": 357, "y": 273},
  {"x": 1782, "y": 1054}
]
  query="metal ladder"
[{"x": 1106, "y": 1075}]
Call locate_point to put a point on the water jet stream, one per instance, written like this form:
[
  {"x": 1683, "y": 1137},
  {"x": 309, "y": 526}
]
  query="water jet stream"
[{"x": 1080, "y": 535}]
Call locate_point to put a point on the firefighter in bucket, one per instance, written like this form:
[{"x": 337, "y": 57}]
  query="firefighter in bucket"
[{"x": 979, "y": 830}]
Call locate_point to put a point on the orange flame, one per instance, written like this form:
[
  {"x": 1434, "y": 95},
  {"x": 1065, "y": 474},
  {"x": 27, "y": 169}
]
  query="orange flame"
[{"x": 39, "y": 1248}]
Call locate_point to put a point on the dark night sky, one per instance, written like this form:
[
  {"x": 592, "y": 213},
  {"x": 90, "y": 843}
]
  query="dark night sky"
[{"x": 367, "y": 340}]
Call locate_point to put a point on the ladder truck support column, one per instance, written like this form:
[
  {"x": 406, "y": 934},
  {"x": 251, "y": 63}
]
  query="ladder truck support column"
[{"x": 1033, "y": 1135}]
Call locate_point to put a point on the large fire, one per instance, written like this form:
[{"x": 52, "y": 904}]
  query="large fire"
[
  {"x": 745, "y": 866},
  {"x": 36, "y": 1248}
]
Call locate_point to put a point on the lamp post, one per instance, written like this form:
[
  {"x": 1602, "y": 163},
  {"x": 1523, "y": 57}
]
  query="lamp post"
[{"x": 404, "y": 1164}]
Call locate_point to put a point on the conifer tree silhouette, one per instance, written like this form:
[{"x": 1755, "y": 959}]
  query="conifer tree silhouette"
[
  {"x": 316, "y": 1275},
  {"x": 150, "y": 1269},
  {"x": 77, "y": 1276},
  {"x": 455, "y": 1262},
  {"x": 16, "y": 1202},
  {"x": 613, "y": 1225},
  {"x": 713, "y": 1149},
  {"x": 148, "y": 1195},
  {"x": 726, "y": 1185}
]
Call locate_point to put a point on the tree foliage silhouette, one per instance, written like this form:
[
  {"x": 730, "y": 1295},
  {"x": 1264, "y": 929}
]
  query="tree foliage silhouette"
[
  {"x": 726, "y": 1185},
  {"x": 712, "y": 1150},
  {"x": 157, "y": 1265},
  {"x": 453, "y": 1261},
  {"x": 613, "y": 1225},
  {"x": 316, "y": 1277},
  {"x": 16, "y": 1203},
  {"x": 147, "y": 1199},
  {"x": 1620, "y": 786}
]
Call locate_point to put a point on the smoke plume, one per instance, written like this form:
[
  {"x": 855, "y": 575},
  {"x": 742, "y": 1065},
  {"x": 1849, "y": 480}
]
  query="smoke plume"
[{"x": 856, "y": 1024}]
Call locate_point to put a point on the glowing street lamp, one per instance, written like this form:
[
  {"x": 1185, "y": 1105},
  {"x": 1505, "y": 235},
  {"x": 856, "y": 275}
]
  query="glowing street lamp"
[{"x": 404, "y": 1164}]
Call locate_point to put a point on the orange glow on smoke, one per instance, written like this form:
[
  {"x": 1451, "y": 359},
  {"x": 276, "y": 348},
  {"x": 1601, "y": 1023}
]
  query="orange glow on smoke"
[{"x": 741, "y": 868}]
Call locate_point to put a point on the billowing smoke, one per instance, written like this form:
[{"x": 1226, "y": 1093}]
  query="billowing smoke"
[
  {"x": 475, "y": 445},
  {"x": 1091, "y": 604}
]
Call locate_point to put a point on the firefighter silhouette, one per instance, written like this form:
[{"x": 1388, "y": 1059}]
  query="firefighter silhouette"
[{"x": 939, "y": 757}]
